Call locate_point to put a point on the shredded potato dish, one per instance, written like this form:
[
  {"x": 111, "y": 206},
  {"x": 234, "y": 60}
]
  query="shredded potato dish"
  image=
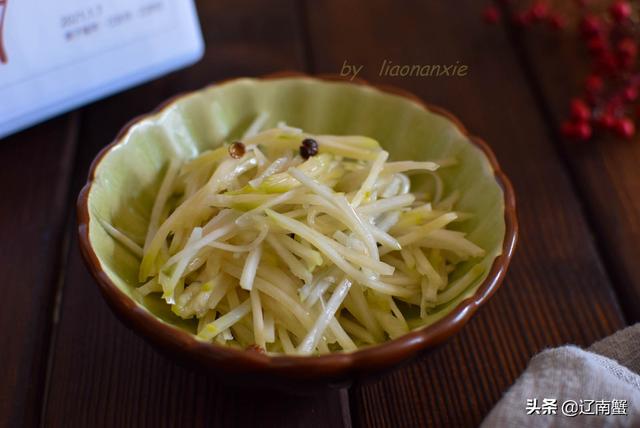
[{"x": 287, "y": 242}]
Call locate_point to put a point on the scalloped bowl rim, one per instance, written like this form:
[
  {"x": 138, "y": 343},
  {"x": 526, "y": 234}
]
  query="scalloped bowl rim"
[{"x": 334, "y": 365}]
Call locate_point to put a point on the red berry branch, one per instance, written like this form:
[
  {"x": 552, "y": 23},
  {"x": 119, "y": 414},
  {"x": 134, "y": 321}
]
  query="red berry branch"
[{"x": 610, "y": 35}]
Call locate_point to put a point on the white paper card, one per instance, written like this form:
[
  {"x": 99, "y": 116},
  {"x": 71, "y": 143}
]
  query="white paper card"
[{"x": 56, "y": 55}]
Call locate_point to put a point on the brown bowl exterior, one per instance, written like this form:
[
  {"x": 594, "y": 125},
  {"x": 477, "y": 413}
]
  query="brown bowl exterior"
[{"x": 292, "y": 373}]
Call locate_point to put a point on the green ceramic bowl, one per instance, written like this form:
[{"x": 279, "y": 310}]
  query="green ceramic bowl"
[{"x": 126, "y": 175}]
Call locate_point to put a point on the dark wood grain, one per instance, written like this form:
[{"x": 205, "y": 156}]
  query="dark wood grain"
[
  {"x": 606, "y": 171},
  {"x": 104, "y": 375},
  {"x": 557, "y": 290},
  {"x": 35, "y": 171}
]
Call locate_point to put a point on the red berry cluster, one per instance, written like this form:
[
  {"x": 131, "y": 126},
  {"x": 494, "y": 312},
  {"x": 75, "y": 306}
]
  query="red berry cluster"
[
  {"x": 538, "y": 12},
  {"x": 611, "y": 41}
]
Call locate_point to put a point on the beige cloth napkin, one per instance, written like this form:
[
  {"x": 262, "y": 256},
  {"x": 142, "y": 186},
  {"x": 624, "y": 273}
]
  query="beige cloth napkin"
[{"x": 572, "y": 387}]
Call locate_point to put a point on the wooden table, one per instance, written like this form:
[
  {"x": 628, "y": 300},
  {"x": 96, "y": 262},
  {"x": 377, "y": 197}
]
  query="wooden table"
[{"x": 66, "y": 361}]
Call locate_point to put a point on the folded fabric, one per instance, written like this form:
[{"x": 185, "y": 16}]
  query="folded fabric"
[{"x": 572, "y": 387}]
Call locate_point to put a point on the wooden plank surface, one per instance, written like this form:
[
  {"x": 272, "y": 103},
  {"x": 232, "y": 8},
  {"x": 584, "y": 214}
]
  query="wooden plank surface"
[
  {"x": 35, "y": 171},
  {"x": 557, "y": 290},
  {"x": 104, "y": 375},
  {"x": 605, "y": 170}
]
